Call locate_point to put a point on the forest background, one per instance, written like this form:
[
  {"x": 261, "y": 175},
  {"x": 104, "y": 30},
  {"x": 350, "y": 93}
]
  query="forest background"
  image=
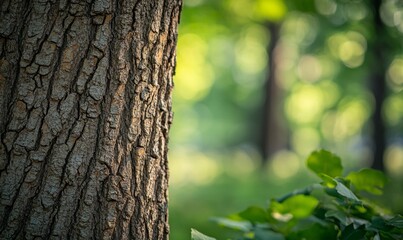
[{"x": 261, "y": 83}]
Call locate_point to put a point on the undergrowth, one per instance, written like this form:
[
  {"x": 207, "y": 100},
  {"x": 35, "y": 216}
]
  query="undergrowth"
[{"x": 335, "y": 208}]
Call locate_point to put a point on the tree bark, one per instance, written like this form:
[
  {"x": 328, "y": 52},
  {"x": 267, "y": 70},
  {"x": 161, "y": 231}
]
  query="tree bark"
[
  {"x": 85, "y": 110},
  {"x": 378, "y": 86},
  {"x": 274, "y": 133}
]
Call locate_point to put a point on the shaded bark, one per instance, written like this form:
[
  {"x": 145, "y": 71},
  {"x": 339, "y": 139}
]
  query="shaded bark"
[
  {"x": 274, "y": 134},
  {"x": 85, "y": 112},
  {"x": 378, "y": 87}
]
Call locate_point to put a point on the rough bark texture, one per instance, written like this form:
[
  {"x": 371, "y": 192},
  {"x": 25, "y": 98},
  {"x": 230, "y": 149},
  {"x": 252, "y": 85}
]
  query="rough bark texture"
[{"x": 85, "y": 109}]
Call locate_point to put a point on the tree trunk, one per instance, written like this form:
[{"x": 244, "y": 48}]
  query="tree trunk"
[
  {"x": 378, "y": 86},
  {"x": 85, "y": 109},
  {"x": 274, "y": 133}
]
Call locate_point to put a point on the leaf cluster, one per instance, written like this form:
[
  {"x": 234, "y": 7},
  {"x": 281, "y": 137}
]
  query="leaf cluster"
[{"x": 334, "y": 208}]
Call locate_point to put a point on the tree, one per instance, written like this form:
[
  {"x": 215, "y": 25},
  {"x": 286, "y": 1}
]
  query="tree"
[
  {"x": 378, "y": 85},
  {"x": 85, "y": 112},
  {"x": 275, "y": 134}
]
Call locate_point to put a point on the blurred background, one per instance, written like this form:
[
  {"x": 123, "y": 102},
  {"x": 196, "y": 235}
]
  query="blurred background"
[{"x": 260, "y": 84}]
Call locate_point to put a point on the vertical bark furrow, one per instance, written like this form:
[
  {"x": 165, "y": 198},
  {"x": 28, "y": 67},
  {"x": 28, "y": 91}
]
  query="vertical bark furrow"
[
  {"x": 58, "y": 122},
  {"x": 10, "y": 35},
  {"x": 12, "y": 31}
]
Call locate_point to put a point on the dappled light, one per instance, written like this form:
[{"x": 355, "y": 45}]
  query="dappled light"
[
  {"x": 339, "y": 12},
  {"x": 309, "y": 100},
  {"x": 394, "y": 159},
  {"x": 145, "y": 119},
  {"x": 287, "y": 53},
  {"x": 303, "y": 140},
  {"x": 331, "y": 91},
  {"x": 356, "y": 11},
  {"x": 309, "y": 68},
  {"x": 392, "y": 14},
  {"x": 250, "y": 51},
  {"x": 242, "y": 163},
  {"x": 395, "y": 74},
  {"x": 326, "y": 7},
  {"x": 284, "y": 164},
  {"x": 261, "y": 84},
  {"x": 193, "y": 167},
  {"x": 349, "y": 47},
  {"x": 272, "y": 10},
  {"x": 194, "y": 77},
  {"x": 300, "y": 28},
  {"x": 394, "y": 109},
  {"x": 352, "y": 115}
]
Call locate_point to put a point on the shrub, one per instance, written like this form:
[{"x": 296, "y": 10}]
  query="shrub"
[{"x": 335, "y": 208}]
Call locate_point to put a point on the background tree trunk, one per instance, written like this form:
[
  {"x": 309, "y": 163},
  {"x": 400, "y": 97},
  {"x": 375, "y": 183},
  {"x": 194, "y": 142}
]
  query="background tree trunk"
[
  {"x": 85, "y": 111},
  {"x": 379, "y": 48},
  {"x": 274, "y": 132}
]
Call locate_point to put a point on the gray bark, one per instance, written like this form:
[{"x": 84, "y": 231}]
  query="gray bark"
[{"x": 85, "y": 109}]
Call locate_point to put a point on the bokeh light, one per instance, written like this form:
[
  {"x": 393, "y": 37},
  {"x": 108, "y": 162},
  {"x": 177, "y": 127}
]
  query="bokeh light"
[
  {"x": 352, "y": 115},
  {"x": 194, "y": 75},
  {"x": 309, "y": 68},
  {"x": 285, "y": 164},
  {"x": 394, "y": 159},
  {"x": 271, "y": 10},
  {"x": 250, "y": 52},
  {"x": 393, "y": 109},
  {"x": 320, "y": 95},
  {"x": 193, "y": 167},
  {"x": 349, "y": 47},
  {"x": 305, "y": 139},
  {"x": 395, "y": 74},
  {"x": 326, "y": 7},
  {"x": 305, "y": 104},
  {"x": 392, "y": 14}
]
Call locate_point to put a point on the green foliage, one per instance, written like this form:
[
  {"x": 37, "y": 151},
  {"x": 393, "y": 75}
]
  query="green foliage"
[
  {"x": 333, "y": 209},
  {"x": 368, "y": 180},
  {"x": 196, "y": 235},
  {"x": 324, "y": 162}
]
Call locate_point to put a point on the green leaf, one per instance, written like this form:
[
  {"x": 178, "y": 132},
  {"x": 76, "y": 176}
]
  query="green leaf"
[
  {"x": 324, "y": 162},
  {"x": 328, "y": 181},
  {"x": 390, "y": 236},
  {"x": 358, "y": 222},
  {"x": 397, "y": 221},
  {"x": 298, "y": 206},
  {"x": 339, "y": 215},
  {"x": 351, "y": 233},
  {"x": 263, "y": 234},
  {"x": 233, "y": 224},
  {"x": 368, "y": 180},
  {"x": 345, "y": 191},
  {"x": 196, "y": 235},
  {"x": 312, "y": 228},
  {"x": 304, "y": 191},
  {"x": 340, "y": 188},
  {"x": 254, "y": 214}
]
